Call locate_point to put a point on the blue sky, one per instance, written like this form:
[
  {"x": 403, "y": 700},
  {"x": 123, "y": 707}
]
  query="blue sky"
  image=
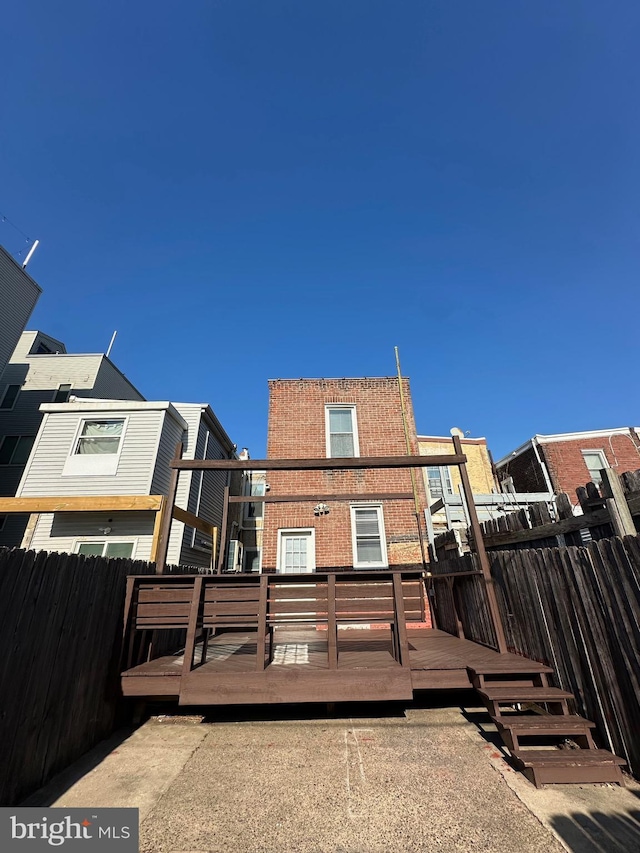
[{"x": 249, "y": 190}]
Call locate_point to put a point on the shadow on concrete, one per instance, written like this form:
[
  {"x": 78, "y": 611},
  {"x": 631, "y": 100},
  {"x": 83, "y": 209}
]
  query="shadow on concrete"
[
  {"x": 88, "y": 762},
  {"x": 597, "y": 832}
]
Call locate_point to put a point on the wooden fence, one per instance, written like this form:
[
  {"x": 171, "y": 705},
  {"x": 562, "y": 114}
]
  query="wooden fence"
[
  {"x": 613, "y": 509},
  {"x": 574, "y": 608},
  {"x": 61, "y": 636}
]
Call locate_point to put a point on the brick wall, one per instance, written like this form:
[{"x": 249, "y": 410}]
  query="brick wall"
[
  {"x": 567, "y": 467},
  {"x": 297, "y": 430},
  {"x": 478, "y": 462}
]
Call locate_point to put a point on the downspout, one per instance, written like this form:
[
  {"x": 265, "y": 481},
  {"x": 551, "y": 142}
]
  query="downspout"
[{"x": 535, "y": 443}]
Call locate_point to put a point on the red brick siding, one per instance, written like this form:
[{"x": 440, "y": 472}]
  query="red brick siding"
[
  {"x": 567, "y": 467},
  {"x": 297, "y": 430}
]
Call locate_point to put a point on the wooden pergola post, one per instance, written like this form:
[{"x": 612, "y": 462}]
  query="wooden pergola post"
[
  {"x": 492, "y": 599},
  {"x": 223, "y": 530},
  {"x": 167, "y": 514}
]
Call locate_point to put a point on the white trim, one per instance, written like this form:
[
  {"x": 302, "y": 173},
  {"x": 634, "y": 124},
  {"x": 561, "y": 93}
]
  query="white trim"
[
  {"x": 133, "y": 540},
  {"x": 384, "y": 563},
  {"x": 603, "y": 458},
  {"x": 562, "y": 436},
  {"x": 89, "y": 465},
  {"x": 354, "y": 427},
  {"x": 297, "y": 531}
]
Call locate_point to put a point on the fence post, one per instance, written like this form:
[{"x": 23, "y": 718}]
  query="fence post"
[
  {"x": 616, "y": 501},
  {"x": 492, "y": 599}
]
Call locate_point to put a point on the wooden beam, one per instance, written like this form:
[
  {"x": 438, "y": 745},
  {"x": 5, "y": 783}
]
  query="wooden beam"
[
  {"x": 437, "y": 506},
  {"x": 84, "y": 503},
  {"x": 157, "y": 527},
  {"x": 617, "y": 504},
  {"x": 167, "y": 515},
  {"x": 492, "y": 600},
  {"x": 353, "y": 496},
  {"x": 566, "y": 525},
  {"x": 316, "y": 464},
  {"x": 223, "y": 529},
  {"x": 192, "y": 520}
]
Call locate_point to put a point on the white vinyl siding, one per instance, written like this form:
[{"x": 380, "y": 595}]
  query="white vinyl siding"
[
  {"x": 341, "y": 431},
  {"x": 368, "y": 537},
  {"x": 44, "y": 474},
  {"x": 63, "y": 530}
]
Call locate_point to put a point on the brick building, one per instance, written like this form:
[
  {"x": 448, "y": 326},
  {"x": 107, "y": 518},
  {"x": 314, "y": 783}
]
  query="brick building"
[
  {"x": 318, "y": 418},
  {"x": 561, "y": 463}
]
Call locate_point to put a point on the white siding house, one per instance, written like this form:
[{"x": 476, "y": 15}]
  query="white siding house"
[
  {"x": 39, "y": 371},
  {"x": 98, "y": 448},
  {"x": 18, "y": 296}
]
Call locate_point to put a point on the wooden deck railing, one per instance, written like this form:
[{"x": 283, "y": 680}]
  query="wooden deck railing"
[{"x": 197, "y": 605}]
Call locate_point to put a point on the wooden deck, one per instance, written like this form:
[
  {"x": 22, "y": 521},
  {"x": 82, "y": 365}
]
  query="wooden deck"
[{"x": 299, "y": 668}]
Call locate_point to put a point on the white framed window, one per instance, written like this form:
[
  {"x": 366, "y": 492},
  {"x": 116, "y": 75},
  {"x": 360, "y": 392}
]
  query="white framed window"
[
  {"x": 506, "y": 484},
  {"x": 595, "y": 460},
  {"x": 106, "y": 548},
  {"x": 10, "y": 396},
  {"x": 296, "y": 551},
  {"x": 96, "y": 447},
  {"x": 62, "y": 394},
  {"x": 15, "y": 449},
  {"x": 439, "y": 481},
  {"x": 368, "y": 537},
  {"x": 341, "y": 429}
]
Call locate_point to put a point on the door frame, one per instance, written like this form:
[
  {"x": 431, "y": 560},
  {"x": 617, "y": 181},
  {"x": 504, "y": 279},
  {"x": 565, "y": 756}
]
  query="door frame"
[{"x": 311, "y": 552}]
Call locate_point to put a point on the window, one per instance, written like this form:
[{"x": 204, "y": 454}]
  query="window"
[
  {"x": 62, "y": 394},
  {"x": 10, "y": 396},
  {"x": 43, "y": 349},
  {"x": 369, "y": 543},
  {"x": 595, "y": 460},
  {"x": 507, "y": 485},
  {"x": 99, "y": 437},
  {"x": 341, "y": 431},
  {"x": 96, "y": 448},
  {"x": 439, "y": 481},
  {"x": 252, "y": 560},
  {"x": 255, "y": 510},
  {"x": 15, "y": 449},
  {"x": 105, "y": 549}
]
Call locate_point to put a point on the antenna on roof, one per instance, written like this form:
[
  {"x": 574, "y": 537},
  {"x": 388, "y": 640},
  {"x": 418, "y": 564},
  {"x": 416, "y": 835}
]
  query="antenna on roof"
[
  {"x": 113, "y": 337},
  {"x": 31, "y": 251}
]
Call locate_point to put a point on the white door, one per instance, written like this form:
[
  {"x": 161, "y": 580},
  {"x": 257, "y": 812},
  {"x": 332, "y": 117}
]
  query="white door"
[{"x": 296, "y": 552}]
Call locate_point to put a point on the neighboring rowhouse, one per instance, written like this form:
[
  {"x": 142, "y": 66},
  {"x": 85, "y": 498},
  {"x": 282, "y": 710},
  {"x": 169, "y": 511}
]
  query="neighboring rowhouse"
[
  {"x": 109, "y": 448},
  {"x": 39, "y": 371},
  {"x": 18, "y": 296},
  {"x": 334, "y": 418},
  {"x": 562, "y": 462}
]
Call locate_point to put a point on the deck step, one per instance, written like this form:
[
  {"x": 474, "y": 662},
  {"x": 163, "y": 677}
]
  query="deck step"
[
  {"x": 523, "y": 694},
  {"x": 544, "y": 724},
  {"x": 509, "y": 668},
  {"x": 569, "y": 766}
]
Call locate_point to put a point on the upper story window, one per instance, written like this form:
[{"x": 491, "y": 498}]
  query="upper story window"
[
  {"x": 62, "y": 394},
  {"x": 15, "y": 449},
  {"x": 341, "y": 431},
  {"x": 99, "y": 437},
  {"x": 256, "y": 510},
  {"x": 439, "y": 481},
  {"x": 595, "y": 460},
  {"x": 96, "y": 448},
  {"x": 10, "y": 396}
]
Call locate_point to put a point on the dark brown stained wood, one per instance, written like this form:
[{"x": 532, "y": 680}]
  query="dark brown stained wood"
[
  {"x": 332, "y": 625},
  {"x": 284, "y": 685},
  {"x": 262, "y": 623},
  {"x": 222, "y": 554},
  {"x": 342, "y": 464},
  {"x": 321, "y": 498},
  {"x": 194, "y": 619}
]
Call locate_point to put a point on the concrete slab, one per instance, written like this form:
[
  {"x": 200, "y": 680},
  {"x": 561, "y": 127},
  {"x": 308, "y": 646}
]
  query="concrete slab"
[{"x": 135, "y": 774}]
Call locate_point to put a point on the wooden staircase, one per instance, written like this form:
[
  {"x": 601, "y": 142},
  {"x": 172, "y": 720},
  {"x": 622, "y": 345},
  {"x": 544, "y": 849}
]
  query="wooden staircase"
[{"x": 558, "y": 746}]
